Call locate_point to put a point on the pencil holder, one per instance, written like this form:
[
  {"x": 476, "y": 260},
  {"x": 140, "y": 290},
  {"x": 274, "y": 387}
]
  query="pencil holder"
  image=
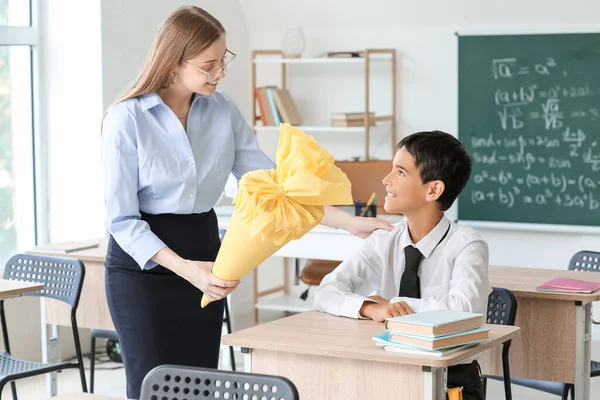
[{"x": 371, "y": 210}]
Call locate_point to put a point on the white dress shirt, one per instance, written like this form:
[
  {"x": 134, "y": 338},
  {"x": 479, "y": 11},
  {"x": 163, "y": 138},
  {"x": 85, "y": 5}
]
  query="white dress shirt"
[
  {"x": 453, "y": 274},
  {"x": 151, "y": 164}
]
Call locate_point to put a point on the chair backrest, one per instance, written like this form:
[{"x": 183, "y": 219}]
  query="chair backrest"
[
  {"x": 191, "y": 383},
  {"x": 502, "y": 307},
  {"x": 585, "y": 261},
  {"x": 62, "y": 277}
]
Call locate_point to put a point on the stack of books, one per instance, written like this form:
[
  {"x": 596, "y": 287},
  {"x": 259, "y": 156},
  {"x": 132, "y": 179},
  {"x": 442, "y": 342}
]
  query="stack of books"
[
  {"x": 351, "y": 119},
  {"x": 436, "y": 333}
]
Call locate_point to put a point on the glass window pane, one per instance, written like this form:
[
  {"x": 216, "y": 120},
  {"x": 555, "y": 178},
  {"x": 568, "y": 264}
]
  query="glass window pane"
[
  {"x": 15, "y": 12},
  {"x": 17, "y": 205}
]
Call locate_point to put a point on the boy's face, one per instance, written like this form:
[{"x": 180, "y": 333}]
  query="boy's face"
[{"x": 406, "y": 190}]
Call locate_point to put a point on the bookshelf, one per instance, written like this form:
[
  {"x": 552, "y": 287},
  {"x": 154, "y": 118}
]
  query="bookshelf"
[
  {"x": 370, "y": 56},
  {"x": 283, "y": 297}
]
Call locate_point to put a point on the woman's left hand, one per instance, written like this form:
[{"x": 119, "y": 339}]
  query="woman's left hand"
[{"x": 363, "y": 227}]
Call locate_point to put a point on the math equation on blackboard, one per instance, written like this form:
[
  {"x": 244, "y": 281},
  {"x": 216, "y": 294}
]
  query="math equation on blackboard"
[{"x": 540, "y": 145}]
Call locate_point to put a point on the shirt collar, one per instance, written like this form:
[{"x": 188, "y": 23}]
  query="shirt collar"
[
  {"x": 430, "y": 241},
  {"x": 150, "y": 100}
]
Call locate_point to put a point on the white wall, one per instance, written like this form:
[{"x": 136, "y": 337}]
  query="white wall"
[
  {"x": 128, "y": 28},
  {"x": 423, "y": 32}
]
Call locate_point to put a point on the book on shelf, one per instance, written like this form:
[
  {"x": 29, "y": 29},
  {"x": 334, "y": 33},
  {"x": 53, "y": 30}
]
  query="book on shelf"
[
  {"x": 344, "y": 54},
  {"x": 351, "y": 119},
  {"x": 276, "y": 106},
  {"x": 350, "y": 116}
]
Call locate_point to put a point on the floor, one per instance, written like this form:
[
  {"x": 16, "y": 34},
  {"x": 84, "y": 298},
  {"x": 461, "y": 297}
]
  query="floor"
[{"x": 110, "y": 380}]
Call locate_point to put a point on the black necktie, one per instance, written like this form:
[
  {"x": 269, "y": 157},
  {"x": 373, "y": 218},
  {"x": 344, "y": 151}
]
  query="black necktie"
[{"x": 410, "y": 286}]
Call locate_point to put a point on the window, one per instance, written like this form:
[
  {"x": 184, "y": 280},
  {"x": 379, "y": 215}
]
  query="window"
[
  {"x": 15, "y": 12},
  {"x": 17, "y": 169}
]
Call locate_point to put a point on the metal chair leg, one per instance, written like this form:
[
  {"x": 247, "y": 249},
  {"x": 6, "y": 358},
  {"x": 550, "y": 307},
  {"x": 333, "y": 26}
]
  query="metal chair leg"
[
  {"x": 506, "y": 371},
  {"x": 228, "y": 323},
  {"x": 92, "y": 363},
  {"x": 13, "y": 388},
  {"x": 484, "y": 381}
]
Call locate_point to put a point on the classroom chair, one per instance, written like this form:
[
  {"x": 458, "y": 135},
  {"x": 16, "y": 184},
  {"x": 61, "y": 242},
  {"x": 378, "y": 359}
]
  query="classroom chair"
[
  {"x": 63, "y": 280},
  {"x": 501, "y": 310},
  {"x": 582, "y": 261},
  {"x": 192, "y": 383},
  {"x": 314, "y": 271}
]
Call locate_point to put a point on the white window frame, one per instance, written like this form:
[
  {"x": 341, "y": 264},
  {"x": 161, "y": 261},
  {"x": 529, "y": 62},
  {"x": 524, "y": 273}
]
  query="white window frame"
[{"x": 31, "y": 36}]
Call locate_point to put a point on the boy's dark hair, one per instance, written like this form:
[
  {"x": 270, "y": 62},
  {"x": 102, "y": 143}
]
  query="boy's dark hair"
[{"x": 440, "y": 156}]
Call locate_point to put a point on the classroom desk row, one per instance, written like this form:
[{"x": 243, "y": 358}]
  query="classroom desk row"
[{"x": 553, "y": 345}]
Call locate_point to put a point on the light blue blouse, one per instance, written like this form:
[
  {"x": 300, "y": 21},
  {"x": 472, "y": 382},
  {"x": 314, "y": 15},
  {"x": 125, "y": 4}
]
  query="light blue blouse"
[{"x": 152, "y": 165}]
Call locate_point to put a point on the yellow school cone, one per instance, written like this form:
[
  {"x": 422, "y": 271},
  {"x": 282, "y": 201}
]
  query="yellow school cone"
[{"x": 273, "y": 207}]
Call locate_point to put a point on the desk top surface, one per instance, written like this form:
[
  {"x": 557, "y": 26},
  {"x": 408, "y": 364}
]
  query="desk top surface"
[
  {"x": 522, "y": 281},
  {"x": 317, "y": 333},
  {"x": 9, "y": 289}
]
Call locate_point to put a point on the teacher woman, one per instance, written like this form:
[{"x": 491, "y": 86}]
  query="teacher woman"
[{"x": 168, "y": 146}]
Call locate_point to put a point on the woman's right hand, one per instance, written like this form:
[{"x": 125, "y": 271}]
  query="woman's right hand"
[{"x": 199, "y": 274}]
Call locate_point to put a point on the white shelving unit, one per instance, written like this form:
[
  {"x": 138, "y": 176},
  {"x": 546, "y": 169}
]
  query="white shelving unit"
[{"x": 284, "y": 297}]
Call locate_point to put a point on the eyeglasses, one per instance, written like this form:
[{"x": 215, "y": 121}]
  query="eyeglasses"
[{"x": 212, "y": 75}]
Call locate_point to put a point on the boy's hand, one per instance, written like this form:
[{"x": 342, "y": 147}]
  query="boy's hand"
[
  {"x": 380, "y": 312},
  {"x": 379, "y": 299}
]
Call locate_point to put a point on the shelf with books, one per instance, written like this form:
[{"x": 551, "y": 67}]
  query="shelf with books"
[{"x": 274, "y": 104}]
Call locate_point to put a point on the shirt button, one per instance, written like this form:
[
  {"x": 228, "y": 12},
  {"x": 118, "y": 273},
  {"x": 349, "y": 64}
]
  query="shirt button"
[
  {"x": 191, "y": 163},
  {"x": 191, "y": 195}
]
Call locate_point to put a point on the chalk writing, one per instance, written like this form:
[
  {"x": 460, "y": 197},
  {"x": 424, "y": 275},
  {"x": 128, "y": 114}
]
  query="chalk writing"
[{"x": 541, "y": 139}]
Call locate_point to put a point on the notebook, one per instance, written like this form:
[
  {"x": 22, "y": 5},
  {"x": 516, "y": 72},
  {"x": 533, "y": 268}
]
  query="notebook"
[
  {"x": 569, "y": 285},
  {"x": 435, "y": 322},
  {"x": 440, "y": 342},
  {"x": 68, "y": 247},
  {"x": 383, "y": 340}
]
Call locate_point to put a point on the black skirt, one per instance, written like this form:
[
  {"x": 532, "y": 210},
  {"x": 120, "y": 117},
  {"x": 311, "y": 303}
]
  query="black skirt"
[{"x": 156, "y": 313}]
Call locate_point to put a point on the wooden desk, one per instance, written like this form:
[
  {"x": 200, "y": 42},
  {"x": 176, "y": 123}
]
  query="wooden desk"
[
  {"x": 12, "y": 289},
  {"x": 555, "y": 340},
  {"x": 329, "y": 357},
  {"x": 92, "y": 312}
]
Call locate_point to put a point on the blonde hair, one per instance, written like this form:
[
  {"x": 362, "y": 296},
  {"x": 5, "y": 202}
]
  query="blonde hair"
[{"x": 183, "y": 35}]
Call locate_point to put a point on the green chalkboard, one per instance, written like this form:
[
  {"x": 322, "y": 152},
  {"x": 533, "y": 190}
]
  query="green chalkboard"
[{"x": 529, "y": 115}]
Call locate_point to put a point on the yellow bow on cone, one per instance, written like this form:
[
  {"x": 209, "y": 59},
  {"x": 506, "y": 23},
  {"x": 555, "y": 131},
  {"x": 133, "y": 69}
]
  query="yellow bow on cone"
[{"x": 275, "y": 206}]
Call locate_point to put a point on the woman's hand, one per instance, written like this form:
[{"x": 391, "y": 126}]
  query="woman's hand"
[
  {"x": 363, "y": 227},
  {"x": 199, "y": 274},
  {"x": 358, "y": 226}
]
